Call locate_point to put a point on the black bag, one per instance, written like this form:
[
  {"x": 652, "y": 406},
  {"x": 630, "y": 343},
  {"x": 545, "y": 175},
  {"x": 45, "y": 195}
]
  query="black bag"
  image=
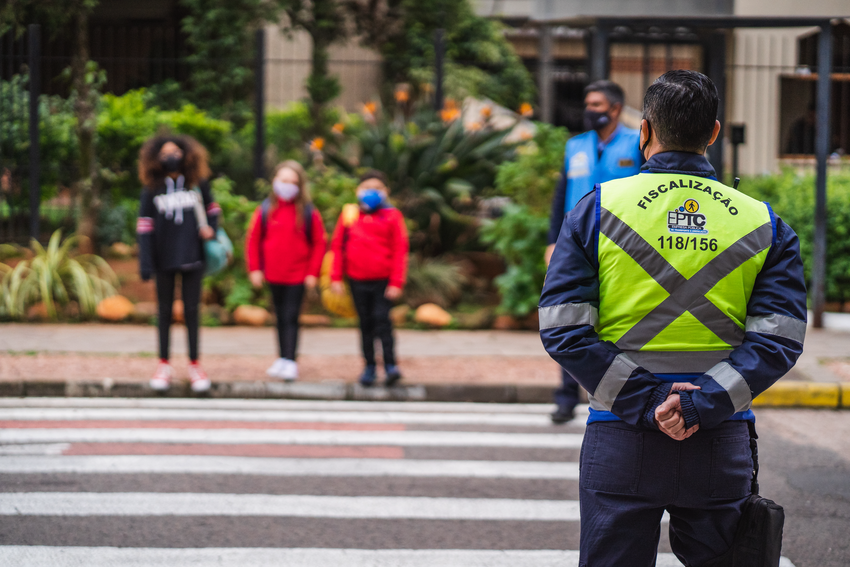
[{"x": 758, "y": 539}]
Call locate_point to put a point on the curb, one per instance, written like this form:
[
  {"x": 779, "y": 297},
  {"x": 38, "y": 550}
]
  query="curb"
[{"x": 787, "y": 394}]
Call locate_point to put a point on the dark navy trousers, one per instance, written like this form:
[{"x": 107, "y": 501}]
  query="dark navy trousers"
[
  {"x": 566, "y": 397},
  {"x": 630, "y": 476}
]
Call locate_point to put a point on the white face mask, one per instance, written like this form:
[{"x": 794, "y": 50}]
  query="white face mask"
[{"x": 285, "y": 191}]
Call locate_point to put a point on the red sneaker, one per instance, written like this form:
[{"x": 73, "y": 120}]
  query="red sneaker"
[
  {"x": 161, "y": 380},
  {"x": 198, "y": 378}
]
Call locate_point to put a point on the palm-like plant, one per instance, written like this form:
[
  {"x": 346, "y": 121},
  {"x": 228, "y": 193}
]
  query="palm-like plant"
[
  {"x": 13, "y": 290},
  {"x": 54, "y": 275},
  {"x": 437, "y": 171}
]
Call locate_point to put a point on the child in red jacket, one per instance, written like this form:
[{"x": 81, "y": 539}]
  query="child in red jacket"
[
  {"x": 284, "y": 246},
  {"x": 372, "y": 253}
]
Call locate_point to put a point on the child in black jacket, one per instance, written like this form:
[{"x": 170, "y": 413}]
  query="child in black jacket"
[{"x": 174, "y": 172}]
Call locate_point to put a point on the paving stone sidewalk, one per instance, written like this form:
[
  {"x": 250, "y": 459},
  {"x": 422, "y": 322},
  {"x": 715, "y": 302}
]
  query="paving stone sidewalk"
[{"x": 102, "y": 359}]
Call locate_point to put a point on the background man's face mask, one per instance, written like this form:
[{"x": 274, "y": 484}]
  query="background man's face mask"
[
  {"x": 285, "y": 191},
  {"x": 371, "y": 199},
  {"x": 594, "y": 120}
]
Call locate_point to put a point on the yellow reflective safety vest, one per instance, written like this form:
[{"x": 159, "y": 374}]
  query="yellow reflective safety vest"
[{"x": 678, "y": 259}]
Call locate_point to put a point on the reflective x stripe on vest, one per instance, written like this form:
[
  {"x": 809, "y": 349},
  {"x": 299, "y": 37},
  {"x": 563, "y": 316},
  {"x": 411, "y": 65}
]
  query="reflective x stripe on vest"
[{"x": 678, "y": 259}]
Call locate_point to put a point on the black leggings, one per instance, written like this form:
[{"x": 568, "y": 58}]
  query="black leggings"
[
  {"x": 374, "y": 312},
  {"x": 287, "y": 308},
  {"x": 190, "y": 283}
]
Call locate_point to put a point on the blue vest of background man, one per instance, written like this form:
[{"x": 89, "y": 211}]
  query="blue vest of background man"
[
  {"x": 588, "y": 161},
  {"x": 586, "y": 165}
]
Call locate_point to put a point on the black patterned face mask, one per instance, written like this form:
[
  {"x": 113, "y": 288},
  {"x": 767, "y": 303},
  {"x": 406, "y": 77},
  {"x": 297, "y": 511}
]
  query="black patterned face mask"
[
  {"x": 594, "y": 120},
  {"x": 171, "y": 163}
]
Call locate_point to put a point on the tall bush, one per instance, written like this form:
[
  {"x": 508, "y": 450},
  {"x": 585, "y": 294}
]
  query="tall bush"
[
  {"x": 520, "y": 234},
  {"x": 792, "y": 197}
]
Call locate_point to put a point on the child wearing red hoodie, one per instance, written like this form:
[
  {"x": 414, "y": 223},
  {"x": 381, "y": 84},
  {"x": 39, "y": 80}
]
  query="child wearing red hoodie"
[
  {"x": 284, "y": 246},
  {"x": 372, "y": 253}
]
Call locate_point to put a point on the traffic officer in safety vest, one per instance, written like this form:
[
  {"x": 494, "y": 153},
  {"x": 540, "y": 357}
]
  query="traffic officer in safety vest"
[
  {"x": 674, "y": 300},
  {"x": 607, "y": 150}
]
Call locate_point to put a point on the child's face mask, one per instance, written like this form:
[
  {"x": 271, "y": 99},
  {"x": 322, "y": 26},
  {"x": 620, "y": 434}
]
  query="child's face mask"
[
  {"x": 285, "y": 191},
  {"x": 371, "y": 199}
]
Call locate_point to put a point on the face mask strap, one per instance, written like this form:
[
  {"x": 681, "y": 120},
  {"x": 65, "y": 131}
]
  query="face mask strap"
[{"x": 648, "y": 136}]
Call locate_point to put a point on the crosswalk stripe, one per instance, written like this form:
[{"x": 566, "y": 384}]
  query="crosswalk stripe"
[
  {"x": 303, "y": 506},
  {"x": 151, "y": 414},
  {"x": 289, "y": 467},
  {"x": 43, "y": 556},
  {"x": 281, "y": 405},
  {"x": 296, "y": 437}
]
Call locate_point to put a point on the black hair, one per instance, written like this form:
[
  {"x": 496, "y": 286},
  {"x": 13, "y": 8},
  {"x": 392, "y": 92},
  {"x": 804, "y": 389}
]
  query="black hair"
[
  {"x": 195, "y": 165},
  {"x": 611, "y": 90},
  {"x": 375, "y": 174},
  {"x": 681, "y": 108}
]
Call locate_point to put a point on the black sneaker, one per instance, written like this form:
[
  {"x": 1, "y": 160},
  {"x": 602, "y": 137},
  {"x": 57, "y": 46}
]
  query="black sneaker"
[
  {"x": 393, "y": 374},
  {"x": 562, "y": 415},
  {"x": 369, "y": 376}
]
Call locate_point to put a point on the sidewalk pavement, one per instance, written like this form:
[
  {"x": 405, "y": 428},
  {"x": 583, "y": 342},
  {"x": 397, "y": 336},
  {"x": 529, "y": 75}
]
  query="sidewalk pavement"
[{"x": 482, "y": 366}]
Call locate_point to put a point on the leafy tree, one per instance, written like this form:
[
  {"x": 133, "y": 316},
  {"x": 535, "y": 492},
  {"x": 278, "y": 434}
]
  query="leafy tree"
[
  {"x": 219, "y": 34},
  {"x": 479, "y": 60},
  {"x": 73, "y": 16},
  {"x": 324, "y": 21}
]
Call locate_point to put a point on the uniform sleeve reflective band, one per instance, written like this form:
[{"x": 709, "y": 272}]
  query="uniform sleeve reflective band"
[
  {"x": 734, "y": 384},
  {"x": 568, "y": 315},
  {"x": 779, "y": 325},
  {"x": 615, "y": 378}
]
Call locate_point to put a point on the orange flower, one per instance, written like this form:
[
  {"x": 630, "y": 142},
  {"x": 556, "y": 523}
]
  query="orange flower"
[
  {"x": 450, "y": 111},
  {"x": 317, "y": 144},
  {"x": 526, "y": 110},
  {"x": 486, "y": 112},
  {"x": 402, "y": 94},
  {"x": 370, "y": 108},
  {"x": 338, "y": 128},
  {"x": 474, "y": 126}
]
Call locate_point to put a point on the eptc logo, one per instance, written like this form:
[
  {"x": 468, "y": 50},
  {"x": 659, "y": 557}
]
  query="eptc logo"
[{"x": 687, "y": 219}]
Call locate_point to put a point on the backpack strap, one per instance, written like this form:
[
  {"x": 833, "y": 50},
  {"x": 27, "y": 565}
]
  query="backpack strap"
[
  {"x": 264, "y": 219},
  {"x": 350, "y": 215},
  {"x": 308, "y": 223}
]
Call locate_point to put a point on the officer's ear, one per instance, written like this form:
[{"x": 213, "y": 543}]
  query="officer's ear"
[{"x": 714, "y": 133}]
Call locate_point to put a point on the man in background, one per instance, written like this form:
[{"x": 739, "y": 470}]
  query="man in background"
[{"x": 607, "y": 150}]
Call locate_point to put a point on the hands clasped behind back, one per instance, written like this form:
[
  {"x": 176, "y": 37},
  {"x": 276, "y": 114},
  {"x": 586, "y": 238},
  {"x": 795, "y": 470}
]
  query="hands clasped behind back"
[{"x": 668, "y": 415}]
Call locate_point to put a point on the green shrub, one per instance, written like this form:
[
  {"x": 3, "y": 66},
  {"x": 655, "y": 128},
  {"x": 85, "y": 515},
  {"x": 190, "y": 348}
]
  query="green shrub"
[
  {"x": 531, "y": 178},
  {"x": 433, "y": 280},
  {"x": 58, "y": 143},
  {"x": 792, "y": 197},
  {"x": 519, "y": 236},
  {"x": 231, "y": 286},
  {"x": 55, "y": 275},
  {"x": 125, "y": 122},
  {"x": 331, "y": 189}
]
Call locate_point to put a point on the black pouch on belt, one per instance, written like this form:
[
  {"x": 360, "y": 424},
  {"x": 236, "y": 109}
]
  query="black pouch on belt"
[{"x": 758, "y": 539}]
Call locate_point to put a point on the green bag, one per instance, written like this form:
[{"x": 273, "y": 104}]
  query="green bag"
[{"x": 218, "y": 251}]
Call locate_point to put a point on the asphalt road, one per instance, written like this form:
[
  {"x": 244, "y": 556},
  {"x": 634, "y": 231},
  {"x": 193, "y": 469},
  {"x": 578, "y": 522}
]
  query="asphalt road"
[{"x": 260, "y": 483}]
